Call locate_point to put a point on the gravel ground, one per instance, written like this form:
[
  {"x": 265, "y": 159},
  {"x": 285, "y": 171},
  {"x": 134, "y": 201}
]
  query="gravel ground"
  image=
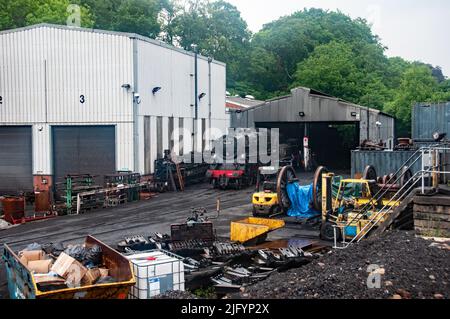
[
  {"x": 177, "y": 295},
  {"x": 410, "y": 267}
]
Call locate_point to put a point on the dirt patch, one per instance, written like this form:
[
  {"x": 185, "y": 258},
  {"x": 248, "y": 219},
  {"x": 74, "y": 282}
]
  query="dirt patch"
[{"x": 409, "y": 267}]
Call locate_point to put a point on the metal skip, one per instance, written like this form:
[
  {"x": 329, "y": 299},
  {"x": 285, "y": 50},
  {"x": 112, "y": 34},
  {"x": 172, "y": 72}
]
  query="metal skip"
[{"x": 253, "y": 229}]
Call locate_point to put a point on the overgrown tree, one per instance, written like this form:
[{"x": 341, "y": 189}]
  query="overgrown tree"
[
  {"x": 417, "y": 85},
  {"x": 218, "y": 30},
  {"x": 134, "y": 16},
  {"x": 293, "y": 38},
  {"x": 21, "y": 13}
]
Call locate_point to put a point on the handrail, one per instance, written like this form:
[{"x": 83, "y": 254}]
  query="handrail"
[
  {"x": 400, "y": 194},
  {"x": 382, "y": 192},
  {"x": 381, "y": 212}
]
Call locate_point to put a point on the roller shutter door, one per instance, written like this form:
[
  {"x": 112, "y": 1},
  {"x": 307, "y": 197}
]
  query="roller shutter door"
[
  {"x": 84, "y": 150},
  {"x": 16, "y": 160}
]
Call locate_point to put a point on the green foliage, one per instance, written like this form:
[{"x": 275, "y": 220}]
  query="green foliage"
[
  {"x": 417, "y": 85},
  {"x": 134, "y": 16},
  {"x": 218, "y": 30},
  {"x": 293, "y": 38},
  {"x": 21, "y": 13},
  {"x": 323, "y": 50}
]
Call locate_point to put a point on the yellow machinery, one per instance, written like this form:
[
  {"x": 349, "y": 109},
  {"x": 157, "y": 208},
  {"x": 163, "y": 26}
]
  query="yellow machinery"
[
  {"x": 253, "y": 230},
  {"x": 352, "y": 207},
  {"x": 271, "y": 196},
  {"x": 265, "y": 199}
]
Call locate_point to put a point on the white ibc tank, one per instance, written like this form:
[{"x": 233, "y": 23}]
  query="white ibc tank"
[{"x": 156, "y": 272}]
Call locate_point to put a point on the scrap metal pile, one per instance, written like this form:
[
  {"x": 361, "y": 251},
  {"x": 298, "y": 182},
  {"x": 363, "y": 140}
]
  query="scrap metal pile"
[
  {"x": 173, "y": 175},
  {"x": 224, "y": 265},
  {"x": 82, "y": 193},
  {"x": 91, "y": 270}
]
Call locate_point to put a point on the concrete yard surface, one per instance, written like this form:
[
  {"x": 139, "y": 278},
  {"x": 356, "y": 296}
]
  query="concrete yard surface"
[{"x": 145, "y": 218}]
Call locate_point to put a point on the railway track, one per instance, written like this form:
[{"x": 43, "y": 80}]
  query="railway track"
[{"x": 144, "y": 217}]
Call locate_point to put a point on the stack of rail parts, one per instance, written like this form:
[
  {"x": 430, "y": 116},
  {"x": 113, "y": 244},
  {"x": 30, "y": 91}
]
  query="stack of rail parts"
[{"x": 174, "y": 176}]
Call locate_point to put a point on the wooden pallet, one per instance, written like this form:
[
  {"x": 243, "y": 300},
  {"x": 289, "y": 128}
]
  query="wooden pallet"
[{"x": 432, "y": 216}]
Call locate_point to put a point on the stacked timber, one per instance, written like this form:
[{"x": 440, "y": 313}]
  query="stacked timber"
[{"x": 432, "y": 215}]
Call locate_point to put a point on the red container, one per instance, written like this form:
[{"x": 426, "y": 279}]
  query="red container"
[
  {"x": 42, "y": 202},
  {"x": 13, "y": 209}
]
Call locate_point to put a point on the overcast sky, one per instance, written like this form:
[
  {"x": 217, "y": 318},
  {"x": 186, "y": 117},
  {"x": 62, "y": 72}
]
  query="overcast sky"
[{"x": 412, "y": 29}]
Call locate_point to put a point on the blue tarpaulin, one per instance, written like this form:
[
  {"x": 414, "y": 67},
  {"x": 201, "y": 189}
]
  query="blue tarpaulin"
[{"x": 301, "y": 201}]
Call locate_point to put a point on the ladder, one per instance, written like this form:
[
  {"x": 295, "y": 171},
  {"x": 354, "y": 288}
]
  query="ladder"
[{"x": 430, "y": 167}]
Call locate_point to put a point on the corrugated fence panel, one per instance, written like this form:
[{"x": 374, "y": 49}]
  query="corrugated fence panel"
[
  {"x": 428, "y": 119},
  {"x": 384, "y": 162}
]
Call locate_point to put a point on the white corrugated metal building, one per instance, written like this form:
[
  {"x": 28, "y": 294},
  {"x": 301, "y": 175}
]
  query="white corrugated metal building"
[{"x": 76, "y": 100}]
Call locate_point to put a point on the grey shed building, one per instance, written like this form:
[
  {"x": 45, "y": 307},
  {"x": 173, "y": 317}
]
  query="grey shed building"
[
  {"x": 322, "y": 118},
  {"x": 78, "y": 101}
]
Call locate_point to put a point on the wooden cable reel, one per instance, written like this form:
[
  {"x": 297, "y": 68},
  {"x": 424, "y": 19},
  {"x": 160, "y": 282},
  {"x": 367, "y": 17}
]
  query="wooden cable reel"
[
  {"x": 286, "y": 175},
  {"x": 317, "y": 188}
]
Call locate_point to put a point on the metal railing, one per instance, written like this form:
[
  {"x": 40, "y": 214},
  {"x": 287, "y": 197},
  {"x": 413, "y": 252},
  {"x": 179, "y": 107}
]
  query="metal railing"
[{"x": 398, "y": 197}]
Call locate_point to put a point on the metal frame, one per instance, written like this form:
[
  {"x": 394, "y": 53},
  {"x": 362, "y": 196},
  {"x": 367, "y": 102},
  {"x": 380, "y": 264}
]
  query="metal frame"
[
  {"x": 135, "y": 290},
  {"x": 405, "y": 190}
]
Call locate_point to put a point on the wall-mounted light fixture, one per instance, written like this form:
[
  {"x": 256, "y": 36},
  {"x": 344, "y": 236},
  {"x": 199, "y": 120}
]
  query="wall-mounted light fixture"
[
  {"x": 354, "y": 114},
  {"x": 137, "y": 98},
  {"x": 156, "y": 89},
  {"x": 201, "y": 96},
  {"x": 302, "y": 114},
  {"x": 126, "y": 86}
]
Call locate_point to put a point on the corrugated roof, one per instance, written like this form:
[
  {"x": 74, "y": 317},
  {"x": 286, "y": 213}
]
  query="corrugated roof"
[
  {"x": 321, "y": 95},
  {"x": 243, "y": 102},
  {"x": 124, "y": 34}
]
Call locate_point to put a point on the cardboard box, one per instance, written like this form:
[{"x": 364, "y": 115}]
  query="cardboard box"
[
  {"x": 75, "y": 274},
  {"x": 91, "y": 277},
  {"x": 70, "y": 269},
  {"x": 32, "y": 255},
  {"x": 104, "y": 272},
  {"x": 40, "y": 266},
  {"x": 62, "y": 265}
]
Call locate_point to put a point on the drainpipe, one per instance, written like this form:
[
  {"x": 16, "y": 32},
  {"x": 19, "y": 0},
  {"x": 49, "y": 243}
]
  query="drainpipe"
[
  {"x": 368, "y": 124},
  {"x": 135, "y": 108},
  {"x": 194, "y": 121},
  {"x": 210, "y": 100}
]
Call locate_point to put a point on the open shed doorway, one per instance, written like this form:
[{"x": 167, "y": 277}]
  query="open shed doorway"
[{"x": 330, "y": 143}]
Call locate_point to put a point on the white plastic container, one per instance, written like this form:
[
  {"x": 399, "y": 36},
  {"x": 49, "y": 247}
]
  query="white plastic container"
[{"x": 156, "y": 272}]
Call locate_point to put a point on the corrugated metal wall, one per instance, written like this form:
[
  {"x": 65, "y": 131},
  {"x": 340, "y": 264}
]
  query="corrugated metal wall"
[
  {"x": 428, "y": 119},
  {"x": 15, "y": 159},
  {"x": 47, "y": 72},
  {"x": 173, "y": 71},
  {"x": 385, "y": 162},
  {"x": 54, "y": 75},
  {"x": 317, "y": 108},
  {"x": 84, "y": 150}
]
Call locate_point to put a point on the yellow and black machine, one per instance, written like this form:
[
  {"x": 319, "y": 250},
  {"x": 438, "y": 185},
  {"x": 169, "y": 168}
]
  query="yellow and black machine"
[
  {"x": 348, "y": 205},
  {"x": 271, "y": 198}
]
